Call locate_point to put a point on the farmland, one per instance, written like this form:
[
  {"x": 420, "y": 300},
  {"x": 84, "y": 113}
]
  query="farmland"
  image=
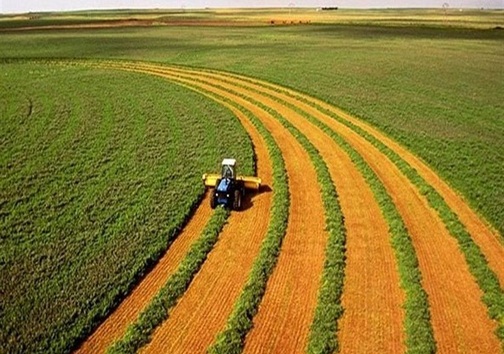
[{"x": 349, "y": 120}]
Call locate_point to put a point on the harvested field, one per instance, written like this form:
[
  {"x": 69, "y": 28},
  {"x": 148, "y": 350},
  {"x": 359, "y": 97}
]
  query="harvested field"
[
  {"x": 286, "y": 310},
  {"x": 214, "y": 290}
]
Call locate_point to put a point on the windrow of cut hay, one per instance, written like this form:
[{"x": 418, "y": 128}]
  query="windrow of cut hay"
[
  {"x": 328, "y": 306},
  {"x": 139, "y": 332},
  {"x": 474, "y": 258},
  {"x": 300, "y": 103}
]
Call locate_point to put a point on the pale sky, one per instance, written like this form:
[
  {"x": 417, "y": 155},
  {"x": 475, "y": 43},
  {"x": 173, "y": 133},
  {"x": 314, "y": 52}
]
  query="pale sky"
[{"x": 20, "y": 6}]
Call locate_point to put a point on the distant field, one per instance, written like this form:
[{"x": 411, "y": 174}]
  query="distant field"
[
  {"x": 100, "y": 167},
  {"x": 462, "y": 18}
]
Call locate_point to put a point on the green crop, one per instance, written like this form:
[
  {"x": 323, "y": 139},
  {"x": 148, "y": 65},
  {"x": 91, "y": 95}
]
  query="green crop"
[{"x": 99, "y": 170}]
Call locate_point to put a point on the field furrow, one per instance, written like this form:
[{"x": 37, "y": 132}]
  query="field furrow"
[
  {"x": 116, "y": 324},
  {"x": 204, "y": 308}
]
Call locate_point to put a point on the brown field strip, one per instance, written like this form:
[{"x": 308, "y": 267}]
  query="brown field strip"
[
  {"x": 483, "y": 235},
  {"x": 116, "y": 324},
  {"x": 459, "y": 317},
  {"x": 296, "y": 278},
  {"x": 286, "y": 311},
  {"x": 202, "y": 311},
  {"x": 371, "y": 280}
]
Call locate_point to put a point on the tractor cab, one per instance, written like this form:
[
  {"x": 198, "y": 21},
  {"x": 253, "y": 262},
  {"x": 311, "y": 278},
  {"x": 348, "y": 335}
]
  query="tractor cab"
[{"x": 228, "y": 168}]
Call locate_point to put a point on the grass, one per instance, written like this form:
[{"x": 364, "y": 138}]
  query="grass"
[
  {"x": 94, "y": 188},
  {"x": 140, "y": 331},
  {"x": 435, "y": 89}
]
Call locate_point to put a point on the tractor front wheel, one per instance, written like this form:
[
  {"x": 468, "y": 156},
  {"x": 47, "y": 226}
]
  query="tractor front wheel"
[
  {"x": 237, "y": 200},
  {"x": 213, "y": 201}
]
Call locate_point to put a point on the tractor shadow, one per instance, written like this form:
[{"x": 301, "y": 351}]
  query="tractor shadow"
[{"x": 248, "y": 199}]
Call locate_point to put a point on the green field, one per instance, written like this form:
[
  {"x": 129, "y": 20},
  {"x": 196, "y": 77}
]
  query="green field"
[
  {"x": 112, "y": 161},
  {"x": 99, "y": 171}
]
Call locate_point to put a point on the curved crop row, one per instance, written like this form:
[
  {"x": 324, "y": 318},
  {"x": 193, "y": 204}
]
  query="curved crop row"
[
  {"x": 220, "y": 280},
  {"x": 417, "y": 325},
  {"x": 216, "y": 86},
  {"x": 486, "y": 277},
  {"x": 395, "y": 185},
  {"x": 329, "y": 309},
  {"x": 489, "y": 283},
  {"x": 230, "y": 339},
  {"x": 157, "y": 311}
]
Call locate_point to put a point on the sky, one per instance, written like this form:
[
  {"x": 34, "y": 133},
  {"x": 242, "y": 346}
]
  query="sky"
[{"x": 21, "y": 6}]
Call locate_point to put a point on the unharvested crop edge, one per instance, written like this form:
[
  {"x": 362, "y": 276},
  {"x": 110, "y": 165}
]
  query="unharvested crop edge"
[
  {"x": 139, "y": 332},
  {"x": 231, "y": 339}
]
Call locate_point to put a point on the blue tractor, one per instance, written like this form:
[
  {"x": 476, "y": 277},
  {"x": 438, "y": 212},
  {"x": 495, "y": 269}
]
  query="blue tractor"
[{"x": 229, "y": 189}]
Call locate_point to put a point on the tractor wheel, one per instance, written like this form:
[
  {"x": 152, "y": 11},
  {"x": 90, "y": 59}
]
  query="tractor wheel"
[
  {"x": 237, "y": 200},
  {"x": 213, "y": 201}
]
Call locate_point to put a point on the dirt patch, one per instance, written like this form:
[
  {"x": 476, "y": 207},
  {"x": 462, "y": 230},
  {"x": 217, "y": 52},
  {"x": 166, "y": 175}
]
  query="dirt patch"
[{"x": 137, "y": 23}]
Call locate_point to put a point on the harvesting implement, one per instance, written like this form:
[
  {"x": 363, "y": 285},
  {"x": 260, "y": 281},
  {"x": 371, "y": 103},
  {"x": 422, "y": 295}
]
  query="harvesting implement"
[{"x": 228, "y": 187}]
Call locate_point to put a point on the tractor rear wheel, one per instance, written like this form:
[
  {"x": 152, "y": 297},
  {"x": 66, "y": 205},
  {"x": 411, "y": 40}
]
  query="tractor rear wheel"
[
  {"x": 213, "y": 201},
  {"x": 237, "y": 200}
]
